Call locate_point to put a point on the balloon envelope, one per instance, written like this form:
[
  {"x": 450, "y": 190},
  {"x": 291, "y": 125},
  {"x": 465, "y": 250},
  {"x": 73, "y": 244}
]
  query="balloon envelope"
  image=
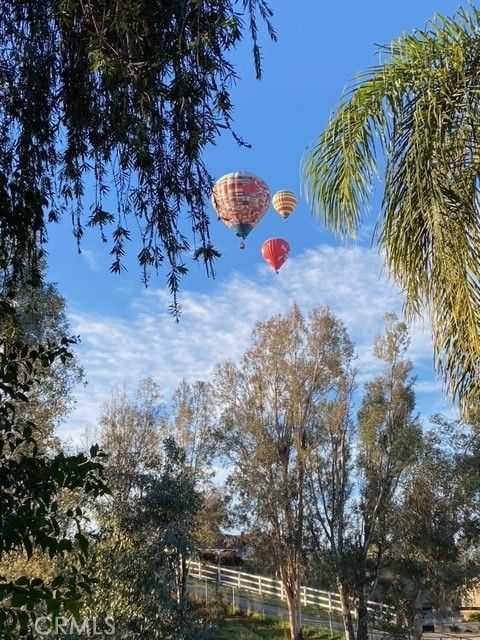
[
  {"x": 240, "y": 200},
  {"x": 275, "y": 251},
  {"x": 284, "y": 203}
]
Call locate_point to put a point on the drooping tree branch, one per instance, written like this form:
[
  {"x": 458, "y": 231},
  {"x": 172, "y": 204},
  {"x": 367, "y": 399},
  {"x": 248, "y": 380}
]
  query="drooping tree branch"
[{"x": 106, "y": 109}]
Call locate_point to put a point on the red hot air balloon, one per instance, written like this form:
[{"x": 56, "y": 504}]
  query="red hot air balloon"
[
  {"x": 275, "y": 251},
  {"x": 284, "y": 203},
  {"x": 240, "y": 200}
]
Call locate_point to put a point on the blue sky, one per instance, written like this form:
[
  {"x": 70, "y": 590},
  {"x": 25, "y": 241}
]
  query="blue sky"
[{"x": 126, "y": 330}]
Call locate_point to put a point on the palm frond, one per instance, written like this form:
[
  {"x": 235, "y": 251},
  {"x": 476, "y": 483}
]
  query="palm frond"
[{"x": 420, "y": 111}]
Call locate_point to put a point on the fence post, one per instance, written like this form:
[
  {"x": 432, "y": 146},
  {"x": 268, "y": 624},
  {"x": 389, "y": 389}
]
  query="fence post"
[
  {"x": 260, "y": 585},
  {"x": 239, "y": 575},
  {"x": 304, "y": 595},
  {"x": 330, "y": 613},
  {"x": 217, "y": 580}
]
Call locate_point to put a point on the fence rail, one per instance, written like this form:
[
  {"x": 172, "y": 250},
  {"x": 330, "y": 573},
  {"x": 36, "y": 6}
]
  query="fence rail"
[{"x": 263, "y": 586}]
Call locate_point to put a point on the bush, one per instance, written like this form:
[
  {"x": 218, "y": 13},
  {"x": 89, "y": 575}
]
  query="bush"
[
  {"x": 215, "y": 610},
  {"x": 472, "y": 616}
]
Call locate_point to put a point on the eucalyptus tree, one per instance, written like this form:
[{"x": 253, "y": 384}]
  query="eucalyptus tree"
[
  {"x": 329, "y": 487},
  {"x": 354, "y": 475},
  {"x": 434, "y": 553},
  {"x": 389, "y": 444},
  {"x": 105, "y": 112},
  {"x": 130, "y": 431},
  {"x": 418, "y": 112},
  {"x": 270, "y": 404},
  {"x": 192, "y": 425}
]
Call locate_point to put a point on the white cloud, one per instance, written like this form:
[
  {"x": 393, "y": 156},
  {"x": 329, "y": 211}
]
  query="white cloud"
[
  {"x": 91, "y": 258},
  {"x": 114, "y": 349}
]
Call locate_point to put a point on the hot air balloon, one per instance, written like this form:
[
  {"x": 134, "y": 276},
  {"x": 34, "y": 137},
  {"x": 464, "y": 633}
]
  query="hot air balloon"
[
  {"x": 275, "y": 251},
  {"x": 284, "y": 203},
  {"x": 240, "y": 200}
]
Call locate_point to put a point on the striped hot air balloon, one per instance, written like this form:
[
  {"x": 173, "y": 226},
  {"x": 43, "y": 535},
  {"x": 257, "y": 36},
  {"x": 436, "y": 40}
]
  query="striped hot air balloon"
[
  {"x": 275, "y": 251},
  {"x": 240, "y": 200},
  {"x": 284, "y": 203}
]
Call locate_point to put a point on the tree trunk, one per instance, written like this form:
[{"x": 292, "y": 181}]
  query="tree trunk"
[
  {"x": 182, "y": 576},
  {"x": 294, "y": 613},
  {"x": 346, "y": 612},
  {"x": 362, "y": 616},
  {"x": 290, "y": 578},
  {"x": 418, "y": 616}
]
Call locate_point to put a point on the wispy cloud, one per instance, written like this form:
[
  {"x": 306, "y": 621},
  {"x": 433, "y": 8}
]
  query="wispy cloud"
[
  {"x": 351, "y": 280},
  {"x": 91, "y": 258}
]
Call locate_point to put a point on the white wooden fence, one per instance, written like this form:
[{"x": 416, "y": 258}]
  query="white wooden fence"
[{"x": 264, "y": 586}]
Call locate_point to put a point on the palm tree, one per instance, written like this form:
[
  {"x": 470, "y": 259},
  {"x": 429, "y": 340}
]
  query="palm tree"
[{"x": 419, "y": 112}]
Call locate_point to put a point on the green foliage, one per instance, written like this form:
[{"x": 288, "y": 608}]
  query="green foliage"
[
  {"x": 296, "y": 374},
  {"x": 124, "y": 95},
  {"x": 32, "y": 483},
  {"x": 436, "y": 527},
  {"x": 192, "y": 424},
  {"x": 130, "y": 432},
  {"x": 139, "y": 563},
  {"x": 420, "y": 111},
  {"x": 38, "y": 315},
  {"x": 354, "y": 477},
  {"x": 273, "y": 404},
  {"x": 473, "y": 616},
  {"x": 156, "y": 515},
  {"x": 389, "y": 432}
]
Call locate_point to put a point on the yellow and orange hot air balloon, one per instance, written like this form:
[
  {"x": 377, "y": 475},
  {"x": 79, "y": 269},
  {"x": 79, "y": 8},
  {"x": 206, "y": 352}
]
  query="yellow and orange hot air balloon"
[
  {"x": 240, "y": 200},
  {"x": 284, "y": 203}
]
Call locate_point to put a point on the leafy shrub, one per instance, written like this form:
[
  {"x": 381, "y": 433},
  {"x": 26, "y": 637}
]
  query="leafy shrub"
[{"x": 473, "y": 616}]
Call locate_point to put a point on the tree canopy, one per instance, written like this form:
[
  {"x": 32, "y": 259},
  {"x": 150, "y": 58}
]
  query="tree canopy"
[
  {"x": 295, "y": 370},
  {"x": 105, "y": 111}
]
